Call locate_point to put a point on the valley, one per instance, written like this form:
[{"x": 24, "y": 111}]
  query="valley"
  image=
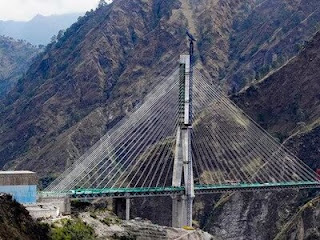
[{"x": 264, "y": 55}]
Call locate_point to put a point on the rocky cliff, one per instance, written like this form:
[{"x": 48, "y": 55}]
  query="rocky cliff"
[{"x": 265, "y": 215}]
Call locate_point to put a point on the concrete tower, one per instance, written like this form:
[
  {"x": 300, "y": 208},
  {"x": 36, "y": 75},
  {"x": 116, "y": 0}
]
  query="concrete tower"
[{"x": 182, "y": 205}]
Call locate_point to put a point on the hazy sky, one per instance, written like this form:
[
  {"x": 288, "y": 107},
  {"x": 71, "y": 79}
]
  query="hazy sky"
[{"x": 26, "y": 9}]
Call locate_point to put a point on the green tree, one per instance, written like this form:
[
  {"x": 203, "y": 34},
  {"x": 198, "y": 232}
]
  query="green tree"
[
  {"x": 60, "y": 34},
  {"x": 102, "y": 3},
  {"x": 53, "y": 39}
]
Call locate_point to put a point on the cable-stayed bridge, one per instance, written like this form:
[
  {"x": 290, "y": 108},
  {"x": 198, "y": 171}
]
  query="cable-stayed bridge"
[{"x": 187, "y": 138}]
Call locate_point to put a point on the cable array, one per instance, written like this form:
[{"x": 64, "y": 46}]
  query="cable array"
[
  {"x": 133, "y": 153},
  {"x": 227, "y": 146}
]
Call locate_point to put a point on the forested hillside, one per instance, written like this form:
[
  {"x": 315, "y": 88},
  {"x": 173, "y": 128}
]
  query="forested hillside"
[
  {"x": 16, "y": 223},
  {"x": 15, "y": 59}
]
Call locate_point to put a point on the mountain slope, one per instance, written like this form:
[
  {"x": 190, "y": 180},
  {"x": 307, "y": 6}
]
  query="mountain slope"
[
  {"x": 39, "y": 29},
  {"x": 103, "y": 66},
  {"x": 15, "y": 59},
  {"x": 78, "y": 88},
  {"x": 287, "y": 103},
  {"x": 240, "y": 41},
  {"x": 285, "y": 214}
]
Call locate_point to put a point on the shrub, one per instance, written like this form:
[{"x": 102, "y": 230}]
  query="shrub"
[
  {"x": 73, "y": 230},
  {"x": 93, "y": 215},
  {"x": 110, "y": 221}
]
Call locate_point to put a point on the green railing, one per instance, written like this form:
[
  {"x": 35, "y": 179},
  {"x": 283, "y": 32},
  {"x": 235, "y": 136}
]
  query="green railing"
[{"x": 179, "y": 190}]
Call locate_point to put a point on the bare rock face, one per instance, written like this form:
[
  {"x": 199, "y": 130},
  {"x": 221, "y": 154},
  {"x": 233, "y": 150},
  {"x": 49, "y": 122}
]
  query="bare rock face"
[
  {"x": 305, "y": 224},
  {"x": 263, "y": 215},
  {"x": 244, "y": 216}
]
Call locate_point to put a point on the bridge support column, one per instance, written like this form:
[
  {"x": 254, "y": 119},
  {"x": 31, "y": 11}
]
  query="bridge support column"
[
  {"x": 121, "y": 207},
  {"x": 128, "y": 209},
  {"x": 189, "y": 208},
  {"x": 178, "y": 211},
  {"x": 182, "y": 208}
]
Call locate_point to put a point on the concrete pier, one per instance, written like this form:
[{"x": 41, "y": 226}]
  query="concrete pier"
[
  {"x": 178, "y": 211},
  {"x": 122, "y": 207},
  {"x": 127, "y": 208}
]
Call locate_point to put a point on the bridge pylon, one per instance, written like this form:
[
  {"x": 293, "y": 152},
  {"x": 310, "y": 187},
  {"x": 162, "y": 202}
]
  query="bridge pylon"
[{"x": 182, "y": 206}]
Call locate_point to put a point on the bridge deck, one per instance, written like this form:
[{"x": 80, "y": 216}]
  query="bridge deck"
[{"x": 173, "y": 191}]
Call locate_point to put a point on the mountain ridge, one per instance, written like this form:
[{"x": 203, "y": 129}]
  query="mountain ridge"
[{"x": 40, "y": 29}]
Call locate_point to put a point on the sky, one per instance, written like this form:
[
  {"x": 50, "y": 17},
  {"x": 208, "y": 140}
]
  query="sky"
[{"x": 24, "y": 10}]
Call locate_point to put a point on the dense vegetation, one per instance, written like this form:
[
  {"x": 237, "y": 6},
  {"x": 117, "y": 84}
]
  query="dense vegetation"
[
  {"x": 72, "y": 230},
  {"x": 16, "y": 223}
]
